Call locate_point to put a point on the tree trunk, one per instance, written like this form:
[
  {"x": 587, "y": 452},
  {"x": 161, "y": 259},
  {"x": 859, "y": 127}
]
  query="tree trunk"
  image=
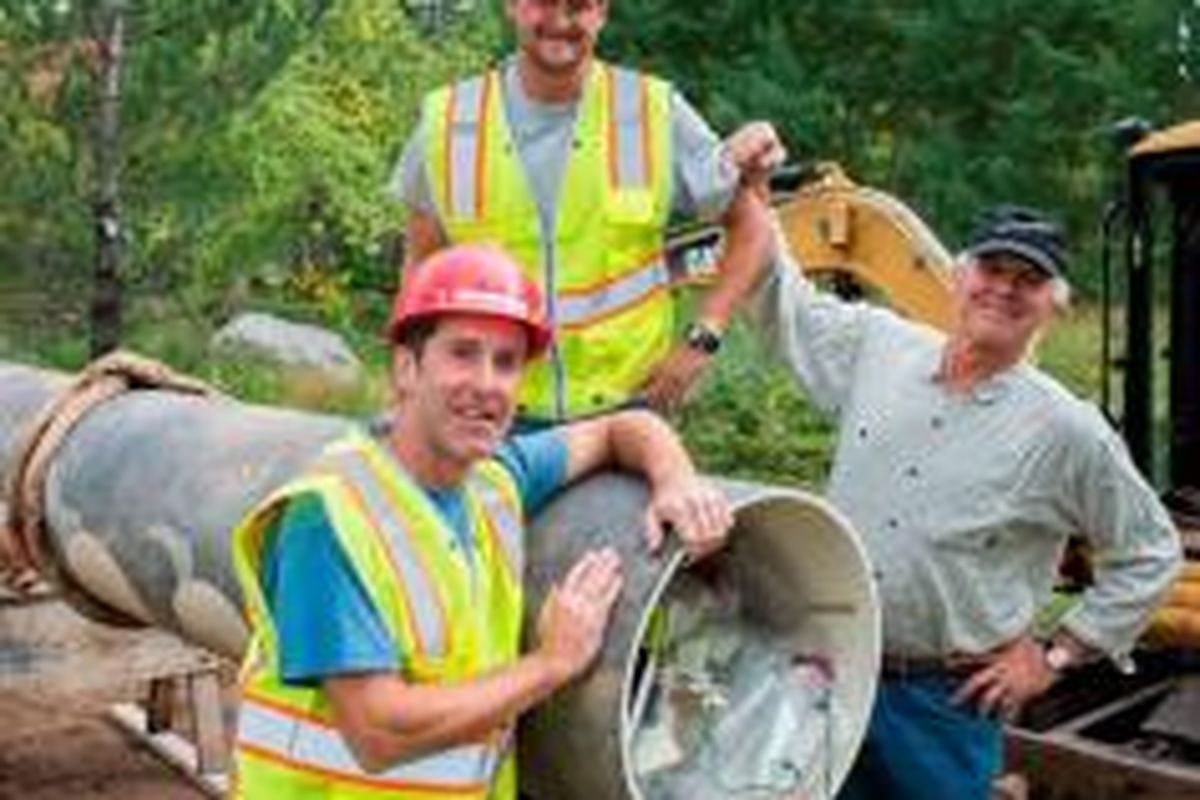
[{"x": 108, "y": 29}]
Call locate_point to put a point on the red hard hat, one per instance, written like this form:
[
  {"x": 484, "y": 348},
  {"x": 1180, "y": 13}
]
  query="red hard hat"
[{"x": 472, "y": 279}]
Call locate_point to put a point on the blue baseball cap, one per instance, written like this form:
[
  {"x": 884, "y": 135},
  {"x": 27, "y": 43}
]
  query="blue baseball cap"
[{"x": 1021, "y": 232}]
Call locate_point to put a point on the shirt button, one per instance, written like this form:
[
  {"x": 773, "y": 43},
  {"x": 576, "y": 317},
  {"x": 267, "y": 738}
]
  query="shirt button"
[
  {"x": 937, "y": 423},
  {"x": 893, "y": 523},
  {"x": 862, "y": 433},
  {"x": 913, "y": 472}
]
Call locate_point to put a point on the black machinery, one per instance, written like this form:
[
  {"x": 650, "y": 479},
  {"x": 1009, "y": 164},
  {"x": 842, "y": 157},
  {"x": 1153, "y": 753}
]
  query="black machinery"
[{"x": 1156, "y": 220}]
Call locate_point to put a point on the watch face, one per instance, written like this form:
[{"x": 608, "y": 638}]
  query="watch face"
[
  {"x": 701, "y": 338},
  {"x": 1058, "y": 658}
]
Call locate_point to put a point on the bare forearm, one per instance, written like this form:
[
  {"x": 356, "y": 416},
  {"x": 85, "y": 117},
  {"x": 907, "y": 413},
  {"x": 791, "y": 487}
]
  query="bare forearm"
[
  {"x": 642, "y": 442},
  {"x": 387, "y": 720},
  {"x": 747, "y": 245}
]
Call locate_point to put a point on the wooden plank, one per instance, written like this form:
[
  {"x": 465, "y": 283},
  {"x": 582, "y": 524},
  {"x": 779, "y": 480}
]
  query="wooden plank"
[
  {"x": 1068, "y": 767},
  {"x": 208, "y": 727},
  {"x": 170, "y": 747},
  {"x": 160, "y": 705}
]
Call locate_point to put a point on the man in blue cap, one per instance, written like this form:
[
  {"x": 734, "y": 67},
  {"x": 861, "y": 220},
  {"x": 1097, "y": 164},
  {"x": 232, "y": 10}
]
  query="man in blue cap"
[{"x": 965, "y": 469}]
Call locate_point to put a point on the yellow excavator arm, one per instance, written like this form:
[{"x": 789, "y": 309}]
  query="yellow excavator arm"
[{"x": 836, "y": 226}]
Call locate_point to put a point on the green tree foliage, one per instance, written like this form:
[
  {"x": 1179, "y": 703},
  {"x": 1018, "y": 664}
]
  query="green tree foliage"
[
  {"x": 256, "y": 140},
  {"x": 303, "y": 168},
  {"x": 37, "y": 147},
  {"x": 184, "y": 63},
  {"x": 950, "y": 104}
]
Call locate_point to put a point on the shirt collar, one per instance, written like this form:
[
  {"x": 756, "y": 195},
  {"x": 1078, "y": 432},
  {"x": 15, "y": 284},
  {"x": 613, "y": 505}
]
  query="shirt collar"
[{"x": 985, "y": 393}]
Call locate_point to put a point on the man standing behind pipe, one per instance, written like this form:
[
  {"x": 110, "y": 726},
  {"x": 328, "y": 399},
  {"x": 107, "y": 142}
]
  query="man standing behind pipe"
[
  {"x": 384, "y": 585},
  {"x": 966, "y": 469},
  {"x": 574, "y": 166}
]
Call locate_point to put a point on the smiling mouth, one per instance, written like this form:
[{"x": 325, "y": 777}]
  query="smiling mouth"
[
  {"x": 480, "y": 420},
  {"x": 559, "y": 41}
]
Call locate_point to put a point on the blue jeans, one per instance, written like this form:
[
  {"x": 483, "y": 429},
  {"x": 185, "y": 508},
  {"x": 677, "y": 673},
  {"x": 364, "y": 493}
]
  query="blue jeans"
[{"x": 920, "y": 746}]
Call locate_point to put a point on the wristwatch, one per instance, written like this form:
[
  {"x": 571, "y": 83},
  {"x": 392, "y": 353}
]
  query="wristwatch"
[
  {"x": 702, "y": 337},
  {"x": 1058, "y": 657}
]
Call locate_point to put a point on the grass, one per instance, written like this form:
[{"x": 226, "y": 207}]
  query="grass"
[
  {"x": 750, "y": 421},
  {"x": 1071, "y": 351}
]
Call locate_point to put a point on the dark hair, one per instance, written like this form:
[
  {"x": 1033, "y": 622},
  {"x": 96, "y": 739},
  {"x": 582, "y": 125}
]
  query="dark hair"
[{"x": 413, "y": 334}]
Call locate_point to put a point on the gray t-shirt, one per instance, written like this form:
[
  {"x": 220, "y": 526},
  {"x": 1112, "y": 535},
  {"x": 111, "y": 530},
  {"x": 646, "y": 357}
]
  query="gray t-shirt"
[{"x": 703, "y": 180}]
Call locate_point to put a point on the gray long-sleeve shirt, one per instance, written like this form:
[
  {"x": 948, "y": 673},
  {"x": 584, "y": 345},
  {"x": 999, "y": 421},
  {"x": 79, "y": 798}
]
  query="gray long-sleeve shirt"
[{"x": 965, "y": 502}]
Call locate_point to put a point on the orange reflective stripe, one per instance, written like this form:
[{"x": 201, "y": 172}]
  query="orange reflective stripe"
[
  {"x": 410, "y": 621},
  {"x": 649, "y": 262},
  {"x": 467, "y": 119},
  {"x": 247, "y": 556},
  {"x": 309, "y": 744},
  {"x": 376, "y": 481},
  {"x": 387, "y": 477},
  {"x": 448, "y": 170},
  {"x": 502, "y": 546},
  {"x": 276, "y": 704},
  {"x": 481, "y": 148},
  {"x": 628, "y": 129},
  {"x": 647, "y": 138},
  {"x": 502, "y": 521},
  {"x": 584, "y": 309},
  {"x": 614, "y": 310},
  {"x": 610, "y": 85},
  {"x": 357, "y": 779}
]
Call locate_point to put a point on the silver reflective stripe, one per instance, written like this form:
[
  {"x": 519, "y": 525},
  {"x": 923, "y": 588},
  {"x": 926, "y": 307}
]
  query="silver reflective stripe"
[
  {"x": 505, "y": 522},
  {"x": 579, "y": 309},
  {"x": 558, "y": 367},
  {"x": 415, "y": 582},
  {"x": 307, "y": 743},
  {"x": 632, "y": 164},
  {"x": 467, "y": 135}
]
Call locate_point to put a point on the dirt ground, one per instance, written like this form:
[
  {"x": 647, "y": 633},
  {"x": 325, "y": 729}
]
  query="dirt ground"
[{"x": 59, "y": 674}]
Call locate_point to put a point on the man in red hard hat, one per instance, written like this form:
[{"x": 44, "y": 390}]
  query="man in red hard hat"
[{"x": 383, "y": 586}]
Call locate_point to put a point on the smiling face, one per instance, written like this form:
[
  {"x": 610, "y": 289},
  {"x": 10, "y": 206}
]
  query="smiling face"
[
  {"x": 557, "y": 37},
  {"x": 1002, "y": 302},
  {"x": 457, "y": 394}
]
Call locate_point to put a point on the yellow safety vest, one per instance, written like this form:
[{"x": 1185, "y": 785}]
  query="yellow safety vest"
[
  {"x": 450, "y": 621},
  {"x": 603, "y": 267}
]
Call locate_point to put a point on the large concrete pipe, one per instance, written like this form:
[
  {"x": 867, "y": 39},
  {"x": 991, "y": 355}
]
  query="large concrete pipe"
[
  {"x": 141, "y": 495},
  {"x": 801, "y": 583}
]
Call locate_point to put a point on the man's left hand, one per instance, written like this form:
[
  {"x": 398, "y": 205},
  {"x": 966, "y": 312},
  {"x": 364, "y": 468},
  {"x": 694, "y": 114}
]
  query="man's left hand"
[
  {"x": 695, "y": 509},
  {"x": 1010, "y": 677},
  {"x": 672, "y": 379}
]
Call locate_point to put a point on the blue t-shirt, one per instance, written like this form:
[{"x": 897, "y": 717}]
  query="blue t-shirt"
[{"x": 337, "y": 630}]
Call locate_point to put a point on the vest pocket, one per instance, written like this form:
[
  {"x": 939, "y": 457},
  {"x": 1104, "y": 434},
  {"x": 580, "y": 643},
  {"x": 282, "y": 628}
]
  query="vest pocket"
[{"x": 630, "y": 207}]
